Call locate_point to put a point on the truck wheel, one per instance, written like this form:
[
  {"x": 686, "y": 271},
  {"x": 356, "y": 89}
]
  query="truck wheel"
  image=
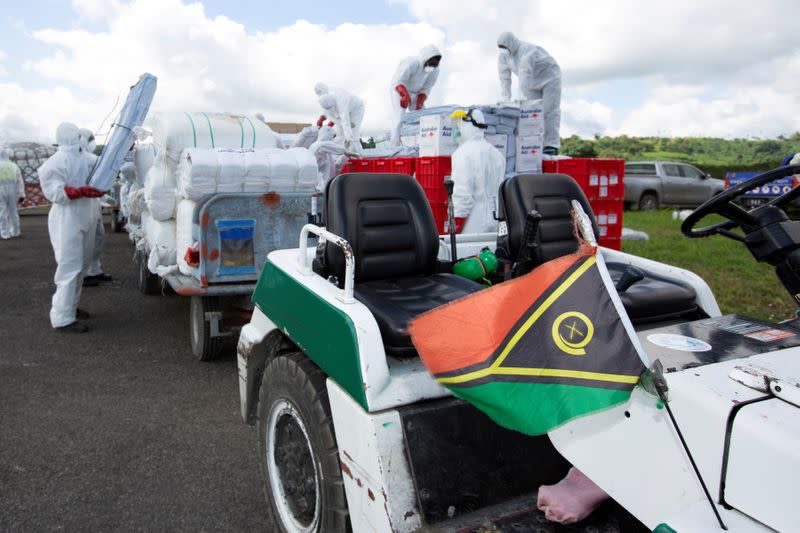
[
  {"x": 149, "y": 283},
  {"x": 297, "y": 448},
  {"x": 648, "y": 202},
  {"x": 204, "y": 346}
]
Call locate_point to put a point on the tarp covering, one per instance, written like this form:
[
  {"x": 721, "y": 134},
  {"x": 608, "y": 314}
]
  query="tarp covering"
[{"x": 121, "y": 139}]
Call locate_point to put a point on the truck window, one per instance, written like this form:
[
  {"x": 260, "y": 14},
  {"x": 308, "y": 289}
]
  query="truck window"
[
  {"x": 690, "y": 172},
  {"x": 672, "y": 170},
  {"x": 640, "y": 169}
]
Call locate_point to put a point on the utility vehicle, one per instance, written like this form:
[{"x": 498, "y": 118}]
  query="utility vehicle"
[{"x": 355, "y": 434}]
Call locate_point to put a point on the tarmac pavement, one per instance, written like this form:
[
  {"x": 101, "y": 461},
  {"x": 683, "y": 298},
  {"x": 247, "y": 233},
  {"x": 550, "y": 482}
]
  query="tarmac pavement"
[{"x": 119, "y": 428}]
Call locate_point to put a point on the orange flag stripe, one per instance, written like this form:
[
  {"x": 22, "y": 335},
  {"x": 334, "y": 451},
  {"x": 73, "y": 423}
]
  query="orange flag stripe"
[{"x": 483, "y": 319}]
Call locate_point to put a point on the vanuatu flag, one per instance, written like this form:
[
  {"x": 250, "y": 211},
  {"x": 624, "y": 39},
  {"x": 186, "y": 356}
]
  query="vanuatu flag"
[{"x": 539, "y": 350}]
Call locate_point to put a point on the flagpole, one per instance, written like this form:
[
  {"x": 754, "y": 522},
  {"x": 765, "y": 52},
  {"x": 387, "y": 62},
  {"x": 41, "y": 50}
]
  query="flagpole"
[{"x": 659, "y": 386}]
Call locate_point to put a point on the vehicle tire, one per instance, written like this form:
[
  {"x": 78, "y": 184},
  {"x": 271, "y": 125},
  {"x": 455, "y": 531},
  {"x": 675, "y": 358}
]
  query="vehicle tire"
[
  {"x": 204, "y": 346},
  {"x": 149, "y": 283},
  {"x": 648, "y": 202},
  {"x": 297, "y": 448}
]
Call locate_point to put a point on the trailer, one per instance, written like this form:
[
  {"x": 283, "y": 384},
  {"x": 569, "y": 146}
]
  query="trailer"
[{"x": 232, "y": 233}]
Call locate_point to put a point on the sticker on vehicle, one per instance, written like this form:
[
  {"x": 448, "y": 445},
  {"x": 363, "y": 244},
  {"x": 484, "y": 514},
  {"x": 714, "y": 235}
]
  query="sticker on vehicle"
[
  {"x": 679, "y": 342},
  {"x": 769, "y": 335}
]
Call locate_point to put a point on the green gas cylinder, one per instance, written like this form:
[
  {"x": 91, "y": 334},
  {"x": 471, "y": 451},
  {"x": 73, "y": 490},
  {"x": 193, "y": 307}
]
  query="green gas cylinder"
[{"x": 478, "y": 267}]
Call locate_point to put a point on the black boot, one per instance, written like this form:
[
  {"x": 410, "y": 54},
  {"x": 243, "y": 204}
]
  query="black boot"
[
  {"x": 80, "y": 314},
  {"x": 75, "y": 327}
]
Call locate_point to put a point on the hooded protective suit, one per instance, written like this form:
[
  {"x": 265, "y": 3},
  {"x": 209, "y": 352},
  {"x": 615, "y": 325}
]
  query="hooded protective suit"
[
  {"x": 72, "y": 223},
  {"x": 325, "y": 149},
  {"x": 346, "y": 110},
  {"x": 477, "y": 170},
  {"x": 88, "y": 145},
  {"x": 12, "y": 190},
  {"x": 416, "y": 81},
  {"x": 539, "y": 77}
]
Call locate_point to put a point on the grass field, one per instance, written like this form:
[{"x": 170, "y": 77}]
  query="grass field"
[{"x": 740, "y": 284}]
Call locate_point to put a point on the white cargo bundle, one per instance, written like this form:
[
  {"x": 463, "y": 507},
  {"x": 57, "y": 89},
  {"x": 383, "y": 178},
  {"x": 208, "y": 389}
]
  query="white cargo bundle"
[
  {"x": 160, "y": 237},
  {"x": 183, "y": 233},
  {"x": 159, "y": 190},
  {"x": 174, "y": 132},
  {"x": 144, "y": 155},
  {"x": 204, "y": 171}
]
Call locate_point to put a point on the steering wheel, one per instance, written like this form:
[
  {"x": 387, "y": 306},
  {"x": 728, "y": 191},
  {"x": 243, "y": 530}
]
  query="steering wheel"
[{"x": 722, "y": 204}]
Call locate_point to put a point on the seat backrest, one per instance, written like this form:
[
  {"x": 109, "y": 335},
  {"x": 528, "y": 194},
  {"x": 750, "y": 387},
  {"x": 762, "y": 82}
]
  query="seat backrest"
[
  {"x": 551, "y": 195},
  {"x": 388, "y": 222}
]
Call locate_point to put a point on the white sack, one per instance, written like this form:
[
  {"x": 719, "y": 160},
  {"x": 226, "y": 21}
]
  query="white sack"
[
  {"x": 160, "y": 237},
  {"x": 159, "y": 191}
]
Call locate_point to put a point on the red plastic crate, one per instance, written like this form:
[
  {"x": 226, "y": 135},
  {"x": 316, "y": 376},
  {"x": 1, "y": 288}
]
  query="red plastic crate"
[
  {"x": 362, "y": 165},
  {"x": 614, "y": 244},
  {"x": 600, "y": 179},
  {"x": 430, "y": 173},
  {"x": 608, "y": 214},
  {"x": 347, "y": 168}
]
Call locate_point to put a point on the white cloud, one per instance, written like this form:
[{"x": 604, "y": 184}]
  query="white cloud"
[{"x": 706, "y": 71}]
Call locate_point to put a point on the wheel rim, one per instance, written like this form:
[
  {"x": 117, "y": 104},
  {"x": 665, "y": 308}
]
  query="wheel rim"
[
  {"x": 292, "y": 472},
  {"x": 648, "y": 203}
]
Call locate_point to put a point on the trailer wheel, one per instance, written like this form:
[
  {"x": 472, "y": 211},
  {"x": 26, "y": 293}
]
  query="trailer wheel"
[
  {"x": 204, "y": 346},
  {"x": 149, "y": 283},
  {"x": 297, "y": 448},
  {"x": 648, "y": 202}
]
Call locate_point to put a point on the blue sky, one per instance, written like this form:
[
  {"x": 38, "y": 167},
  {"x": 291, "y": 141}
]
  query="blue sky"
[{"x": 680, "y": 68}]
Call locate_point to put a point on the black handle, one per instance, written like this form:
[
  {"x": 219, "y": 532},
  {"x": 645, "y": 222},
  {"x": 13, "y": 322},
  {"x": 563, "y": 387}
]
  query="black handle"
[{"x": 630, "y": 276}]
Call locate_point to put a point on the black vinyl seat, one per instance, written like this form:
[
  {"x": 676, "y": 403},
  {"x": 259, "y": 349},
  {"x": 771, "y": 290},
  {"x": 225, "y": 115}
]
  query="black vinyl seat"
[
  {"x": 388, "y": 222},
  {"x": 651, "y": 299}
]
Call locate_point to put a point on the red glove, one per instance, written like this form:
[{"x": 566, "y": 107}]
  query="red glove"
[
  {"x": 421, "y": 97},
  {"x": 320, "y": 120},
  {"x": 331, "y": 124},
  {"x": 192, "y": 255},
  {"x": 73, "y": 193},
  {"x": 460, "y": 223},
  {"x": 405, "y": 98},
  {"x": 90, "y": 192}
]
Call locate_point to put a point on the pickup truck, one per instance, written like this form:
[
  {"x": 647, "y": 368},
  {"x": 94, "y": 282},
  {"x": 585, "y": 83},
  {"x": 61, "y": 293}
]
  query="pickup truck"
[{"x": 653, "y": 184}]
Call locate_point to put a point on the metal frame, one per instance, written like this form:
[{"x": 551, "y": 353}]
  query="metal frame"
[{"x": 347, "y": 250}]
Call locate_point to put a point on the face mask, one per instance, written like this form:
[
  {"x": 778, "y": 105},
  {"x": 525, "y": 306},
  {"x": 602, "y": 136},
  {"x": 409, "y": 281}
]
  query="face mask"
[
  {"x": 505, "y": 52},
  {"x": 429, "y": 69}
]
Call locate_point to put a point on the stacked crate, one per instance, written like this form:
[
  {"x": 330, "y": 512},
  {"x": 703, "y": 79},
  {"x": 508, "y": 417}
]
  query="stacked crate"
[{"x": 602, "y": 181}]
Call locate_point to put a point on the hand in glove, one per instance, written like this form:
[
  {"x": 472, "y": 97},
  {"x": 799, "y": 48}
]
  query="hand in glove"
[
  {"x": 421, "y": 97},
  {"x": 405, "y": 98},
  {"x": 73, "y": 193},
  {"x": 320, "y": 120},
  {"x": 90, "y": 192}
]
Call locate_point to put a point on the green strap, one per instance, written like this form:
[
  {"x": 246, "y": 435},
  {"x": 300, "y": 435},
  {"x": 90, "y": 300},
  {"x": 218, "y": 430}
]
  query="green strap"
[
  {"x": 239, "y": 120},
  {"x": 194, "y": 130},
  {"x": 210, "y": 130},
  {"x": 254, "y": 131}
]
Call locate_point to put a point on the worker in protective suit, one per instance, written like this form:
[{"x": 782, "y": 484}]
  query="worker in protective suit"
[
  {"x": 12, "y": 193},
  {"x": 412, "y": 83},
  {"x": 477, "y": 170},
  {"x": 328, "y": 152},
  {"x": 308, "y": 135},
  {"x": 539, "y": 78},
  {"x": 94, "y": 275},
  {"x": 346, "y": 110},
  {"x": 72, "y": 224}
]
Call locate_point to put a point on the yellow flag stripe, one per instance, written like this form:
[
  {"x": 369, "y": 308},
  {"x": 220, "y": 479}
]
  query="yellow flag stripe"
[
  {"x": 542, "y": 308},
  {"x": 540, "y": 372}
]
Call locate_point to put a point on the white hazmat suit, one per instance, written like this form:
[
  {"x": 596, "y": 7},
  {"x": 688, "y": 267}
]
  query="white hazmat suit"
[
  {"x": 326, "y": 150},
  {"x": 477, "y": 170},
  {"x": 346, "y": 110},
  {"x": 12, "y": 192},
  {"x": 88, "y": 145},
  {"x": 71, "y": 222},
  {"x": 412, "y": 84},
  {"x": 539, "y": 78}
]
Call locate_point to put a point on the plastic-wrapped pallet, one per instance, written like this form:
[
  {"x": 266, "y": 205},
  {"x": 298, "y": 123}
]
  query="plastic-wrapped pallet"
[
  {"x": 160, "y": 237},
  {"x": 159, "y": 190},
  {"x": 174, "y": 132},
  {"x": 183, "y": 234},
  {"x": 144, "y": 156},
  {"x": 203, "y": 171}
]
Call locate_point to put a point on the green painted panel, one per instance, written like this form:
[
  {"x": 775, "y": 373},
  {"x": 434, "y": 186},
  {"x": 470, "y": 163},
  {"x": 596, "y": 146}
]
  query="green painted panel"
[{"x": 323, "y": 332}]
